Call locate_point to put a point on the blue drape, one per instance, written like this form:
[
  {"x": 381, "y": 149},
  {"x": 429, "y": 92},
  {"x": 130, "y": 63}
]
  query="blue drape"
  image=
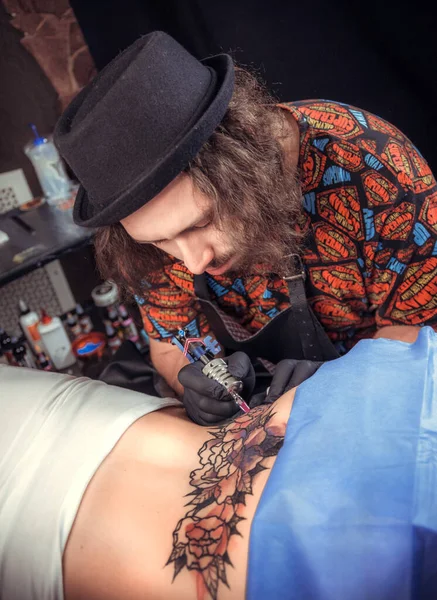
[{"x": 350, "y": 509}]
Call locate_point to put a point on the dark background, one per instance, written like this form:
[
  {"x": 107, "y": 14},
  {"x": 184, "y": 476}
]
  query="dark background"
[
  {"x": 26, "y": 95},
  {"x": 380, "y": 56}
]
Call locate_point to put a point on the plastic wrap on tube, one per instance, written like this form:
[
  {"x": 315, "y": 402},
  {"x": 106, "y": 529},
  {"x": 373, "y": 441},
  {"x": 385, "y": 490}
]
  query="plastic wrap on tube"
[{"x": 350, "y": 509}]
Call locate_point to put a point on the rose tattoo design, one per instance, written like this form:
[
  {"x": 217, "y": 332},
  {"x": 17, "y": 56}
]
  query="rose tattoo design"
[{"x": 229, "y": 462}]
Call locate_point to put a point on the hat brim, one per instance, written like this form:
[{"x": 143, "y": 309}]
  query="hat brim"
[{"x": 87, "y": 214}]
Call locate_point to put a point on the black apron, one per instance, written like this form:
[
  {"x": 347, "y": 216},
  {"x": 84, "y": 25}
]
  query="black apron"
[{"x": 293, "y": 333}]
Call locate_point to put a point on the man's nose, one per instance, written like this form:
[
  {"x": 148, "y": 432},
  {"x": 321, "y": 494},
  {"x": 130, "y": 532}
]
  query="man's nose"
[{"x": 195, "y": 254}]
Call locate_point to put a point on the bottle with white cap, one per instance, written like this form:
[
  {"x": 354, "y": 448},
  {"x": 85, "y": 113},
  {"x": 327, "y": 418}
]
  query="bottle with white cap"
[
  {"x": 56, "y": 341},
  {"x": 29, "y": 321}
]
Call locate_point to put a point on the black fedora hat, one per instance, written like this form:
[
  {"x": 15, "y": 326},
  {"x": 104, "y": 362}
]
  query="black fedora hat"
[{"x": 137, "y": 125}]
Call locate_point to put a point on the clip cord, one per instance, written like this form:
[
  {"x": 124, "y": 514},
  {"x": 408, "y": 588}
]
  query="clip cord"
[{"x": 189, "y": 341}]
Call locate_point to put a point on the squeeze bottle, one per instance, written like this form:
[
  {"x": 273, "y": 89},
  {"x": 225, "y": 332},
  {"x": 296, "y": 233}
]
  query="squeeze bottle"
[{"x": 29, "y": 320}]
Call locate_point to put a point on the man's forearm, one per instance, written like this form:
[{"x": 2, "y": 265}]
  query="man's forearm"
[{"x": 168, "y": 361}]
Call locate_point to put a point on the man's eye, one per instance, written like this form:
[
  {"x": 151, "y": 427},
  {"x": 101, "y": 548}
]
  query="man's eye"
[{"x": 203, "y": 224}]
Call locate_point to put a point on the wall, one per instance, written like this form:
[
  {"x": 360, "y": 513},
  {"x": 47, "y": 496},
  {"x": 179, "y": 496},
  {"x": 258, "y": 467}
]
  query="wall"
[{"x": 44, "y": 62}]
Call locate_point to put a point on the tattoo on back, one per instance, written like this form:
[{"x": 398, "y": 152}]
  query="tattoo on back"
[{"x": 229, "y": 461}]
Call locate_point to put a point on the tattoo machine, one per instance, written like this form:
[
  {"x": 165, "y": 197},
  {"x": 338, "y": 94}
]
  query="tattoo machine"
[{"x": 195, "y": 349}]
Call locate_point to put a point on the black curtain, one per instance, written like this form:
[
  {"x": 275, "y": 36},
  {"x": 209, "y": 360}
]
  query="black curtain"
[{"x": 380, "y": 56}]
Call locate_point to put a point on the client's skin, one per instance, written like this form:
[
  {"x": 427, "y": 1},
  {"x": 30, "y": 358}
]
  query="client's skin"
[{"x": 168, "y": 513}]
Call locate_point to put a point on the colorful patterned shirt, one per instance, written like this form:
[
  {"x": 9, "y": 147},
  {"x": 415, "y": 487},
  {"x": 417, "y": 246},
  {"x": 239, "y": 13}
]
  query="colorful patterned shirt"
[{"x": 370, "y": 217}]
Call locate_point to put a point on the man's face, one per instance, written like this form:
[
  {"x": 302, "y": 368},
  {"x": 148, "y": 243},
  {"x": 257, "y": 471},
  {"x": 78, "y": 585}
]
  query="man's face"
[{"x": 179, "y": 222}]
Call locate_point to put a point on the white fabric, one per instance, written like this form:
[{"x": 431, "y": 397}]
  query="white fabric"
[{"x": 55, "y": 431}]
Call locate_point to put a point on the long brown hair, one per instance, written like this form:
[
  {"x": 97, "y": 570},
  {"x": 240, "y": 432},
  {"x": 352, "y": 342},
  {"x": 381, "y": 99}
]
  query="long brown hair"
[{"x": 242, "y": 169}]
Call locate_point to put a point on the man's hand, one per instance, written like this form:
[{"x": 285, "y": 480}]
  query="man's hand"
[
  {"x": 290, "y": 373},
  {"x": 206, "y": 401}
]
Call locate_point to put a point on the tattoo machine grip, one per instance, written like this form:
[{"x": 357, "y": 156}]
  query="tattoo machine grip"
[
  {"x": 217, "y": 369},
  {"x": 214, "y": 368}
]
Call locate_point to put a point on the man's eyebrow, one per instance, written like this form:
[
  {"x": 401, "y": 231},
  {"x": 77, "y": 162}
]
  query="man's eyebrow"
[{"x": 206, "y": 215}]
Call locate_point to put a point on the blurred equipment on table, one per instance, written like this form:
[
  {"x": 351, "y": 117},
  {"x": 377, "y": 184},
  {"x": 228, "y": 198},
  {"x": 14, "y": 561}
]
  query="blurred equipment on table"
[{"x": 83, "y": 340}]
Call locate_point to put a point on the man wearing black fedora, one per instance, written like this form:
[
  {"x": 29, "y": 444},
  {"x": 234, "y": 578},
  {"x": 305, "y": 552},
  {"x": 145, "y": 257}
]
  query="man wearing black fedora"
[{"x": 287, "y": 231}]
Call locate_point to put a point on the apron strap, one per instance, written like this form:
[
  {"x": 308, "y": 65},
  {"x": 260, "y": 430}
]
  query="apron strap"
[
  {"x": 228, "y": 333},
  {"x": 312, "y": 338},
  {"x": 312, "y": 335}
]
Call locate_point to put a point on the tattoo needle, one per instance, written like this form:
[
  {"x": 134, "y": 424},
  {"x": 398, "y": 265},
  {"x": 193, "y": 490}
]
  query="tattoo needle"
[{"x": 239, "y": 401}]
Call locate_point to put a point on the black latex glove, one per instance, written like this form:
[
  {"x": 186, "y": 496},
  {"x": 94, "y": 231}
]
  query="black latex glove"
[
  {"x": 206, "y": 401},
  {"x": 288, "y": 374}
]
